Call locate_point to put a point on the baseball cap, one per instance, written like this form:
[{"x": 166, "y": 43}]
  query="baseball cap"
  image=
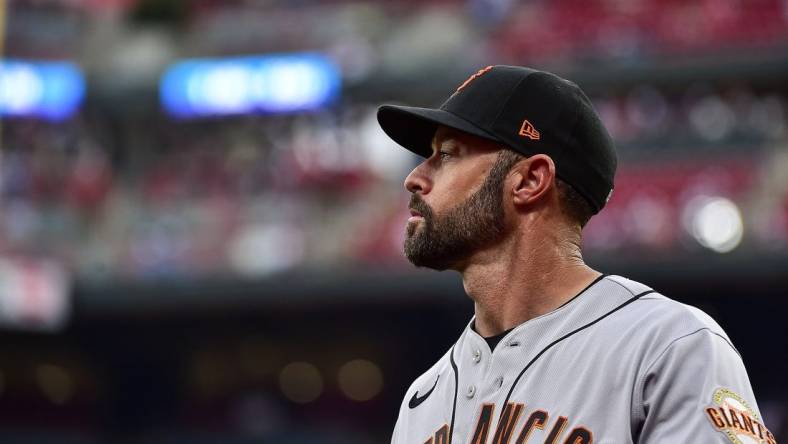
[{"x": 528, "y": 111}]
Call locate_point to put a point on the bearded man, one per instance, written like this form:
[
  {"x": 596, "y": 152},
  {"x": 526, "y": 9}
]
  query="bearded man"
[{"x": 516, "y": 162}]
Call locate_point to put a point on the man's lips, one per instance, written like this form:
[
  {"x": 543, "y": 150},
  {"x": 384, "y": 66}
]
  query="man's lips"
[{"x": 414, "y": 216}]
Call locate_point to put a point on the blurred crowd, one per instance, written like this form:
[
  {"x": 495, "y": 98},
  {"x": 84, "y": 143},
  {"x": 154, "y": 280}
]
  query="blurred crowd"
[
  {"x": 255, "y": 195},
  {"x": 122, "y": 192},
  {"x": 367, "y": 38},
  {"x": 139, "y": 194}
]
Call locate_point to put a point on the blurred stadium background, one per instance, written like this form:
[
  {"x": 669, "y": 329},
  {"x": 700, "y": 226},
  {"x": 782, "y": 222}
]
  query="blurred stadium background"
[{"x": 209, "y": 251}]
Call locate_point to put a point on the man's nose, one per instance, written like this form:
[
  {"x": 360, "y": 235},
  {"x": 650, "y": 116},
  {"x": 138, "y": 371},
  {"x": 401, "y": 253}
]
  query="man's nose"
[{"x": 418, "y": 181}]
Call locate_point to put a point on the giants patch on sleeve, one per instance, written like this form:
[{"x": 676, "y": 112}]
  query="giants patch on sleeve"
[{"x": 732, "y": 416}]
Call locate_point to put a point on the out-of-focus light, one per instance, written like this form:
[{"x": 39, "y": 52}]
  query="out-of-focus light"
[
  {"x": 55, "y": 383},
  {"x": 34, "y": 294},
  {"x": 712, "y": 118},
  {"x": 50, "y": 90},
  {"x": 716, "y": 223},
  {"x": 258, "y": 359},
  {"x": 260, "y": 249},
  {"x": 382, "y": 154},
  {"x": 360, "y": 380},
  {"x": 246, "y": 85},
  {"x": 210, "y": 373},
  {"x": 301, "y": 382}
]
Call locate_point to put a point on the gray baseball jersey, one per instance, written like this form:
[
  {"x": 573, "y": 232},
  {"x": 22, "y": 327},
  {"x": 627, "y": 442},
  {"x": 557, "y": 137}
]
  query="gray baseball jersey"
[{"x": 619, "y": 363}]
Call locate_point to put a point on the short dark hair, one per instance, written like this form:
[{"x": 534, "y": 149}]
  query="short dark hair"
[{"x": 573, "y": 205}]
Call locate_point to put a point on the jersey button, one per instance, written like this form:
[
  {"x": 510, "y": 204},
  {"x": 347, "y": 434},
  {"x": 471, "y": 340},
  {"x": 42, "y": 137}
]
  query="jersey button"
[
  {"x": 471, "y": 391},
  {"x": 477, "y": 356},
  {"x": 498, "y": 382}
]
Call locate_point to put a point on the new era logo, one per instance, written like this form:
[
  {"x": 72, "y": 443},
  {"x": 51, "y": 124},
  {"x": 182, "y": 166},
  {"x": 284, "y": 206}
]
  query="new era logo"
[{"x": 528, "y": 130}]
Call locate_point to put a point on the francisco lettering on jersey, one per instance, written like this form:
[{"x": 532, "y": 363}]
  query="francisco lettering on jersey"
[
  {"x": 441, "y": 436},
  {"x": 512, "y": 417},
  {"x": 732, "y": 416}
]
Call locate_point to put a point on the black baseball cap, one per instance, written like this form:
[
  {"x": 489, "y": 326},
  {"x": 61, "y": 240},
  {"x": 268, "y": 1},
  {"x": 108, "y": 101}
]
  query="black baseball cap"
[{"x": 528, "y": 111}]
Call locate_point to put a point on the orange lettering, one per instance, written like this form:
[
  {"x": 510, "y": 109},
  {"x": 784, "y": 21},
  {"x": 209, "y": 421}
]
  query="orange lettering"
[
  {"x": 747, "y": 422},
  {"x": 734, "y": 418},
  {"x": 558, "y": 428},
  {"x": 715, "y": 418},
  {"x": 536, "y": 420},
  {"x": 725, "y": 417},
  {"x": 442, "y": 435},
  {"x": 580, "y": 435},
  {"x": 511, "y": 413},
  {"x": 483, "y": 424}
]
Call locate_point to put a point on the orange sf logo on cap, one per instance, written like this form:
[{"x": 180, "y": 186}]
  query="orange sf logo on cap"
[
  {"x": 473, "y": 77},
  {"x": 528, "y": 130}
]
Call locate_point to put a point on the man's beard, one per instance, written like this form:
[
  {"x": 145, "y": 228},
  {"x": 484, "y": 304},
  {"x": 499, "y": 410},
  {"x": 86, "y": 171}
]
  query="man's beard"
[{"x": 447, "y": 240}]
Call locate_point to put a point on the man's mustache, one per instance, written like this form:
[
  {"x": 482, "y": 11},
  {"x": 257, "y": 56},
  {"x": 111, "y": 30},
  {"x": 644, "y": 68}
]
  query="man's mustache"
[{"x": 418, "y": 204}]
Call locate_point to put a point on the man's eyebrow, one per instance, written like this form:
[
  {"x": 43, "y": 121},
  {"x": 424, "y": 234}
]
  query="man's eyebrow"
[
  {"x": 436, "y": 141},
  {"x": 449, "y": 139}
]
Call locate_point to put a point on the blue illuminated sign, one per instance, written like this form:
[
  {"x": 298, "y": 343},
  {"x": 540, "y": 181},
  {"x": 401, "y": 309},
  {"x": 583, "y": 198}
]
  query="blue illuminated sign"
[
  {"x": 253, "y": 84},
  {"x": 51, "y": 90}
]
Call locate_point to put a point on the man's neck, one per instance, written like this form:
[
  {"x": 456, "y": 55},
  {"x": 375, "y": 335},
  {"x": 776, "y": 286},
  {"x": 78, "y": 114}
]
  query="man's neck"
[{"x": 516, "y": 284}]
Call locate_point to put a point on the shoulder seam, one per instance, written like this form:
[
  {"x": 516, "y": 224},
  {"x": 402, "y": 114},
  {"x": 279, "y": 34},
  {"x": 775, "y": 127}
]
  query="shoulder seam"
[
  {"x": 627, "y": 289},
  {"x": 642, "y": 378},
  {"x": 599, "y": 278},
  {"x": 670, "y": 344}
]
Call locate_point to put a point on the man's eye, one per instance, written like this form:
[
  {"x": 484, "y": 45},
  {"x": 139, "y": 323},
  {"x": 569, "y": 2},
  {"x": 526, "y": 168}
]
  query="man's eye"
[{"x": 444, "y": 155}]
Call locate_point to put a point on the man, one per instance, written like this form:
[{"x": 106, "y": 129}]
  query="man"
[{"x": 516, "y": 162}]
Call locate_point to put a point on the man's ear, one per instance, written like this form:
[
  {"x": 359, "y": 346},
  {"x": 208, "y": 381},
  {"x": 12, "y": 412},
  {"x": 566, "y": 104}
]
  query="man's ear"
[{"x": 533, "y": 178}]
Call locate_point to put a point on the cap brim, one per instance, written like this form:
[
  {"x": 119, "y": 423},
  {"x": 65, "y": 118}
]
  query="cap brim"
[{"x": 414, "y": 128}]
